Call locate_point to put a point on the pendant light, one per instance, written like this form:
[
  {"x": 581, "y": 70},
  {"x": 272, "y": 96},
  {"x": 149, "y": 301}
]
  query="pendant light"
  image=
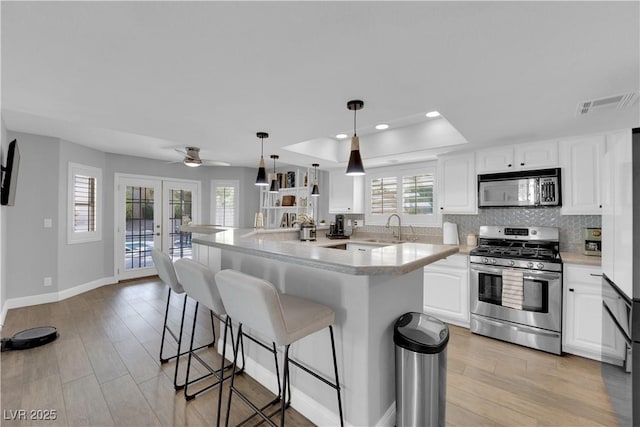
[
  {"x": 315, "y": 192},
  {"x": 261, "y": 180},
  {"x": 274, "y": 182},
  {"x": 355, "y": 166}
]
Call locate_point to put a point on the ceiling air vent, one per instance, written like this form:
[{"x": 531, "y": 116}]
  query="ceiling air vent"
[{"x": 608, "y": 103}]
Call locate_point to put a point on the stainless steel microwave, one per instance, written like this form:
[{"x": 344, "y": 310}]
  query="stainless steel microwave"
[{"x": 532, "y": 188}]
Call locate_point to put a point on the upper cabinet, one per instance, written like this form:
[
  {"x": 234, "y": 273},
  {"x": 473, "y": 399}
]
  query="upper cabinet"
[
  {"x": 457, "y": 184},
  {"x": 346, "y": 193},
  {"x": 538, "y": 155},
  {"x": 581, "y": 162}
]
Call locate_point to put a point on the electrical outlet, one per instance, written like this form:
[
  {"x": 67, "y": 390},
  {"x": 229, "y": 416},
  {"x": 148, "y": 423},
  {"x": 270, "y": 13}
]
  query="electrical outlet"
[
  {"x": 47, "y": 281},
  {"x": 48, "y": 223},
  {"x": 355, "y": 223}
]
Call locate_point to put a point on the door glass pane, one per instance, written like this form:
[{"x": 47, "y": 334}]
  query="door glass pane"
[
  {"x": 180, "y": 212},
  {"x": 139, "y": 227}
]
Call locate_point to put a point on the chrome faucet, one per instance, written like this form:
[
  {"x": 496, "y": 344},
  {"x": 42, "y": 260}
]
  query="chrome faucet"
[{"x": 399, "y": 236}]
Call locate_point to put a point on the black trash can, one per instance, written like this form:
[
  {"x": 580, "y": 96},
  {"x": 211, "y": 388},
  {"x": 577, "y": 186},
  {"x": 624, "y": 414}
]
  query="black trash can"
[{"x": 421, "y": 370}]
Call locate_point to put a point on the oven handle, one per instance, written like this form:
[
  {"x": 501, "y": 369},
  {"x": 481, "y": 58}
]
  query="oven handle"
[
  {"x": 529, "y": 274},
  {"x": 624, "y": 334}
]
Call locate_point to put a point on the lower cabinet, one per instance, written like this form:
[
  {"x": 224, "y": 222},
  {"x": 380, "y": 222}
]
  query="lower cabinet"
[
  {"x": 587, "y": 332},
  {"x": 446, "y": 290}
]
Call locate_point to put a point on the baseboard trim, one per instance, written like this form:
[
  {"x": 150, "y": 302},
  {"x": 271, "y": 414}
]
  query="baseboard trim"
[
  {"x": 300, "y": 401},
  {"x": 54, "y": 296}
]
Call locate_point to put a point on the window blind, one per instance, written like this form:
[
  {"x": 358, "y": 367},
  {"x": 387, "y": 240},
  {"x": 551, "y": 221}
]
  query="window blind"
[
  {"x": 84, "y": 203},
  {"x": 417, "y": 194},
  {"x": 225, "y": 206},
  {"x": 384, "y": 197}
]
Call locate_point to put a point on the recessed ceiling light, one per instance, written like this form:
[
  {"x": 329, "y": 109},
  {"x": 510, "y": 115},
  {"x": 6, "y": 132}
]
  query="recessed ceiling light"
[
  {"x": 382, "y": 126},
  {"x": 342, "y": 136},
  {"x": 432, "y": 114}
]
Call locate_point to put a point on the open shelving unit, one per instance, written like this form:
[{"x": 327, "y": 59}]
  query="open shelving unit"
[{"x": 280, "y": 209}]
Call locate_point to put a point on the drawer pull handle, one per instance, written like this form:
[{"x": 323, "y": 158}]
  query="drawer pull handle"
[
  {"x": 570, "y": 289},
  {"x": 595, "y": 275}
]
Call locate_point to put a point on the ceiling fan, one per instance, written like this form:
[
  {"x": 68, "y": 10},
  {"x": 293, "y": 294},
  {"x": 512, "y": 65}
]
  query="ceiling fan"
[{"x": 192, "y": 158}]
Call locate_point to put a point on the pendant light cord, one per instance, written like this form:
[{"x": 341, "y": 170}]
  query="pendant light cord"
[{"x": 354, "y": 122}]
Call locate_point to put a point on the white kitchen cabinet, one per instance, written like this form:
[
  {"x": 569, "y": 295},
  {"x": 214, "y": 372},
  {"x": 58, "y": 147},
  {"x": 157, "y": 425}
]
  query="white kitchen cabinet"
[
  {"x": 581, "y": 162},
  {"x": 446, "y": 290},
  {"x": 537, "y": 155},
  {"x": 346, "y": 193},
  {"x": 457, "y": 191},
  {"x": 583, "y": 333}
]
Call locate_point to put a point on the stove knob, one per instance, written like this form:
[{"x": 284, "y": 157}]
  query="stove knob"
[
  {"x": 529, "y": 265},
  {"x": 540, "y": 265},
  {"x": 485, "y": 260},
  {"x": 512, "y": 263},
  {"x": 493, "y": 261}
]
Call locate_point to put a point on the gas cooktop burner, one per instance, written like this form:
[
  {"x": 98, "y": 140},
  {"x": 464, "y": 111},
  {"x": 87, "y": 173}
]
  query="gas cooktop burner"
[{"x": 521, "y": 247}]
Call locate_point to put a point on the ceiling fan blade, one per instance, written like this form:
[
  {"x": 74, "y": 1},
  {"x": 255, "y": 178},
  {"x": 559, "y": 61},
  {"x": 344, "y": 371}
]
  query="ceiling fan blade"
[{"x": 215, "y": 163}]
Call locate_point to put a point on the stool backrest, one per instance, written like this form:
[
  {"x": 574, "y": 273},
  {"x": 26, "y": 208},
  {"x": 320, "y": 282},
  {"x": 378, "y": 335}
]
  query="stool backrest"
[
  {"x": 165, "y": 269},
  {"x": 253, "y": 302},
  {"x": 200, "y": 284}
]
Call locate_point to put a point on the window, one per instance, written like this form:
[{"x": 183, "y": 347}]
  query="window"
[
  {"x": 225, "y": 210},
  {"x": 409, "y": 193},
  {"x": 84, "y": 217}
]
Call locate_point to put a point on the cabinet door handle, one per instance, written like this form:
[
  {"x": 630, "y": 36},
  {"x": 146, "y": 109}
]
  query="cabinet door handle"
[
  {"x": 600, "y": 206},
  {"x": 441, "y": 208},
  {"x": 521, "y": 164},
  {"x": 509, "y": 165},
  {"x": 570, "y": 289}
]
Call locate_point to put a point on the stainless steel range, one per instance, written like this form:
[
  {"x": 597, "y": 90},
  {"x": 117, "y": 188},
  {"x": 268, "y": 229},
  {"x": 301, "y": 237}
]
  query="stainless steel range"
[{"x": 516, "y": 286}]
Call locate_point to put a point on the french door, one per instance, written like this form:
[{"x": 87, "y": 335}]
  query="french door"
[{"x": 150, "y": 212}]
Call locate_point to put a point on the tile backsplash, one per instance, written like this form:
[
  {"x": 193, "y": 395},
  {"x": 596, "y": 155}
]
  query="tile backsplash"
[{"x": 570, "y": 225}]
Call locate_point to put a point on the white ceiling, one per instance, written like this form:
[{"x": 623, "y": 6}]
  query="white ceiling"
[{"x": 142, "y": 78}]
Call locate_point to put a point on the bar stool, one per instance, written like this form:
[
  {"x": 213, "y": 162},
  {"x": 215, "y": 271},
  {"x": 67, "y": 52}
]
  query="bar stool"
[
  {"x": 285, "y": 319},
  {"x": 167, "y": 274},
  {"x": 199, "y": 284}
]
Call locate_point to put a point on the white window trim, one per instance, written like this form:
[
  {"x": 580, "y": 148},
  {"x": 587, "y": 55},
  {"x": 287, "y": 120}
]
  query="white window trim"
[
  {"x": 431, "y": 220},
  {"x": 74, "y": 237},
  {"x": 225, "y": 183}
]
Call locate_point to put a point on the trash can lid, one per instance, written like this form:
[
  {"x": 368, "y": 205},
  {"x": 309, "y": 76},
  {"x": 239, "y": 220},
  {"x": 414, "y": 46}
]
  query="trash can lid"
[{"x": 421, "y": 333}]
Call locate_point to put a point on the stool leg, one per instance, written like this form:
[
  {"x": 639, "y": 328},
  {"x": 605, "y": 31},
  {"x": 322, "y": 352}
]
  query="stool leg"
[
  {"x": 285, "y": 383},
  {"x": 164, "y": 328},
  {"x": 227, "y": 323},
  {"x": 193, "y": 333},
  {"x": 233, "y": 372},
  {"x": 175, "y": 372},
  {"x": 213, "y": 330},
  {"x": 335, "y": 368}
]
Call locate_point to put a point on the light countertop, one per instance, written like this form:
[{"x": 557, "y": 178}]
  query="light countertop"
[{"x": 391, "y": 259}]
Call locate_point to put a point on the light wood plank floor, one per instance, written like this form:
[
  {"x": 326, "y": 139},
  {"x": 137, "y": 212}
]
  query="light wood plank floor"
[{"x": 104, "y": 371}]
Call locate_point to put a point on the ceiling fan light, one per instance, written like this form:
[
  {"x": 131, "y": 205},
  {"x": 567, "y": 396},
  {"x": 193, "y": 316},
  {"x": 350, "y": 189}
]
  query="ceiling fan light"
[{"x": 191, "y": 162}]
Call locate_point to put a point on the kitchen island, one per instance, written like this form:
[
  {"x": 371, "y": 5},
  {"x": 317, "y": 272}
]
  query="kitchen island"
[{"x": 368, "y": 289}]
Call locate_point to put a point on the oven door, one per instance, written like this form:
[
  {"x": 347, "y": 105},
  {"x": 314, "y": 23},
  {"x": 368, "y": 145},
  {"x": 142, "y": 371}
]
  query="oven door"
[{"x": 542, "y": 305}]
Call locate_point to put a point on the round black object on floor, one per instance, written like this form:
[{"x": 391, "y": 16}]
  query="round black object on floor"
[{"x": 30, "y": 338}]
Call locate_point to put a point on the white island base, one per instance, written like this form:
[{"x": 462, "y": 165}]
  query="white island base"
[{"x": 367, "y": 302}]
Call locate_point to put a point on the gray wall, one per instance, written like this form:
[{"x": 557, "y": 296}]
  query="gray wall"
[
  {"x": 79, "y": 263},
  {"x": 32, "y": 250},
  {"x": 35, "y": 252}
]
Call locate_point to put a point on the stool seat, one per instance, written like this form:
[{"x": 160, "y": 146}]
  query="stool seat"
[
  {"x": 303, "y": 317},
  {"x": 282, "y": 318}
]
